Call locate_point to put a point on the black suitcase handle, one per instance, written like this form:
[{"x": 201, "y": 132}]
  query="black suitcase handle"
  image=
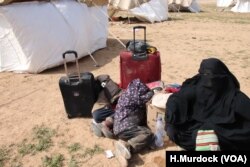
[
  {"x": 65, "y": 62},
  {"x": 139, "y": 56},
  {"x": 70, "y": 52}
]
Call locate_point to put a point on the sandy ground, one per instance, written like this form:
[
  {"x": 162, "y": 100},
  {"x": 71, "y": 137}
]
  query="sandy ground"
[{"x": 29, "y": 100}]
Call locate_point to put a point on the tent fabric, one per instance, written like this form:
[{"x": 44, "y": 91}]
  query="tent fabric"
[
  {"x": 91, "y": 3},
  {"x": 33, "y": 35},
  {"x": 5, "y": 2},
  {"x": 145, "y": 10},
  {"x": 242, "y": 6},
  {"x": 152, "y": 11},
  {"x": 126, "y": 4},
  {"x": 225, "y": 3},
  {"x": 183, "y": 5}
]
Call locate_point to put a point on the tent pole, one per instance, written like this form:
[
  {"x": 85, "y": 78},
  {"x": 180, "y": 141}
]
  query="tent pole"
[
  {"x": 118, "y": 39},
  {"x": 91, "y": 56},
  {"x": 108, "y": 30}
]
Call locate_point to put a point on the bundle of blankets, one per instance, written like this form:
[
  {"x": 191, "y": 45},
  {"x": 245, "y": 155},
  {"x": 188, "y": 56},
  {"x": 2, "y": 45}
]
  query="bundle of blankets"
[{"x": 210, "y": 100}]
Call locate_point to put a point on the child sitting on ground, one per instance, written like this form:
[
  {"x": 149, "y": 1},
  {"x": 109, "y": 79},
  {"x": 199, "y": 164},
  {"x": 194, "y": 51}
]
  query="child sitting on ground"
[{"x": 130, "y": 121}]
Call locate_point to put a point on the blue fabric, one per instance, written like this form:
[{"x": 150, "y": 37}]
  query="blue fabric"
[{"x": 101, "y": 114}]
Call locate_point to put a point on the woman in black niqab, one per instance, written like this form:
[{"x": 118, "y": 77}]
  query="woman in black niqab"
[{"x": 210, "y": 100}]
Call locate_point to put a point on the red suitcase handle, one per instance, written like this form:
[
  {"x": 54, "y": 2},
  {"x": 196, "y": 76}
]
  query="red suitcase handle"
[
  {"x": 140, "y": 27},
  {"x": 139, "y": 56}
]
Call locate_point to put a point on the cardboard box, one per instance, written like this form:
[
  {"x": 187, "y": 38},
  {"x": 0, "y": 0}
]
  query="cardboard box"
[{"x": 152, "y": 114}]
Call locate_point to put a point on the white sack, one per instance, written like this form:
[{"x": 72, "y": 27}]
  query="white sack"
[
  {"x": 242, "y": 6},
  {"x": 160, "y": 99},
  {"x": 34, "y": 35},
  {"x": 152, "y": 11}
]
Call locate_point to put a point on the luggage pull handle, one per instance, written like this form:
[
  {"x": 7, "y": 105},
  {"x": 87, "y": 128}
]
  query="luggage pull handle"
[
  {"x": 140, "y": 27},
  {"x": 65, "y": 62},
  {"x": 140, "y": 56}
]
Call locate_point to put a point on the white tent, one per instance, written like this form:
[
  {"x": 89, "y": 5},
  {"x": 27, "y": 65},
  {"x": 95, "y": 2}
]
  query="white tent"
[
  {"x": 145, "y": 10},
  {"x": 152, "y": 11},
  {"x": 183, "y": 5},
  {"x": 126, "y": 4},
  {"x": 242, "y": 6},
  {"x": 33, "y": 35}
]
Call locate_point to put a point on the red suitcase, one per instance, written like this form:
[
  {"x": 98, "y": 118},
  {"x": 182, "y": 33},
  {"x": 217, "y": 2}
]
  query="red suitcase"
[{"x": 147, "y": 68}]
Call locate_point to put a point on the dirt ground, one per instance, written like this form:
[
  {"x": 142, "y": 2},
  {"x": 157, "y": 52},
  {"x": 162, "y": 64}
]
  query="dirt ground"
[{"x": 34, "y": 128}]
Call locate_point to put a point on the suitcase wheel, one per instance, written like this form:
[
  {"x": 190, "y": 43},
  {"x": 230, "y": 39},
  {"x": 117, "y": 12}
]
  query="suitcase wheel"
[{"x": 70, "y": 116}]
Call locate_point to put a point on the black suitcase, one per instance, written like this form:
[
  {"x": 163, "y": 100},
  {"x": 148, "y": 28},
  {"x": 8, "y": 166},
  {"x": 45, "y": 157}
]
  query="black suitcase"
[{"x": 78, "y": 91}]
